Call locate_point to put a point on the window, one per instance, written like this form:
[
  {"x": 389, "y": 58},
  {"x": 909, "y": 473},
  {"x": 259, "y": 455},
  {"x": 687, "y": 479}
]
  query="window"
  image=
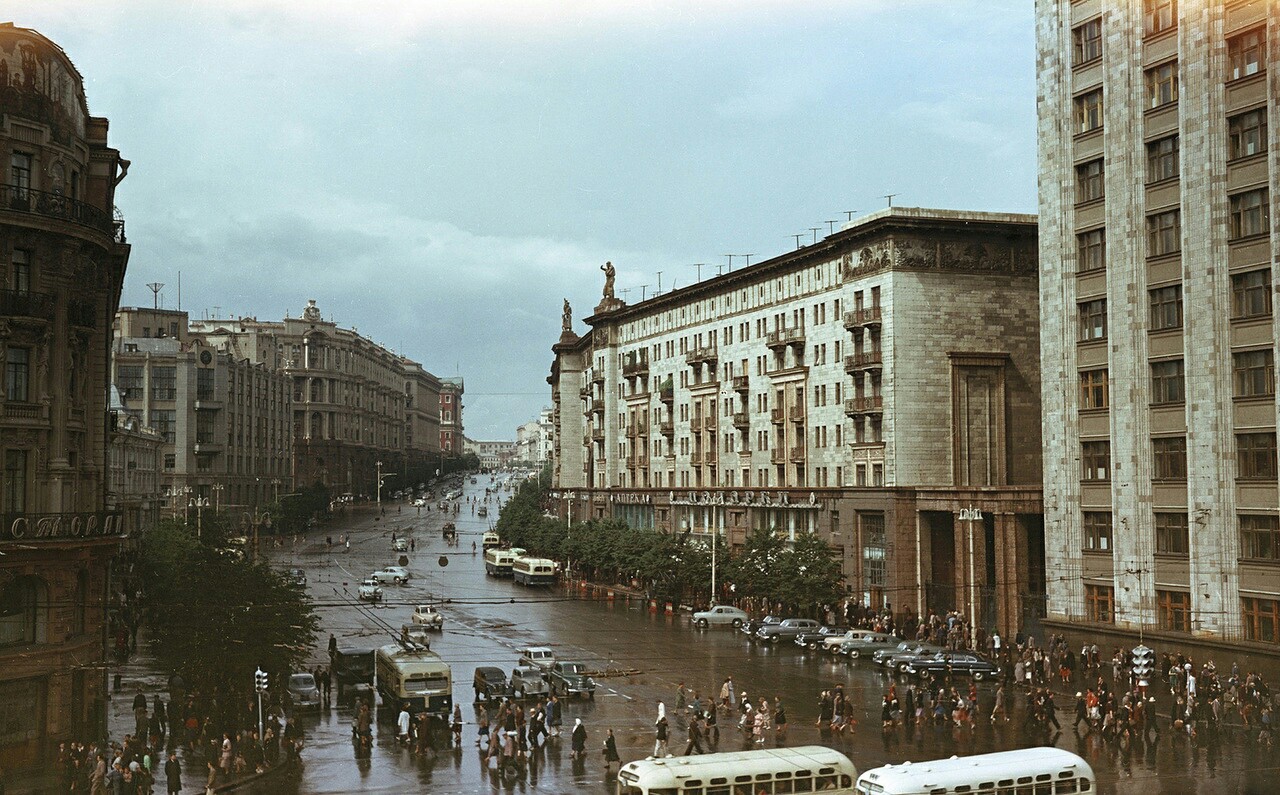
[
  {"x": 1167, "y": 382},
  {"x": 165, "y": 423},
  {"x": 15, "y": 481},
  {"x": 164, "y": 383},
  {"x": 1089, "y": 181},
  {"x": 1095, "y": 458},
  {"x": 1170, "y": 458},
  {"x": 1251, "y": 294},
  {"x": 1174, "y": 609},
  {"x": 1087, "y": 41},
  {"x": 20, "y": 611},
  {"x": 17, "y": 374},
  {"x": 1100, "y": 602},
  {"x": 20, "y": 174},
  {"x": 1164, "y": 233},
  {"x": 1093, "y": 389},
  {"x": 1162, "y": 84},
  {"x": 1162, "y": 159},
  {"x": 1166, "y": 307},
  {"x": 170, "y": 461},
  {"x": 1250, "y": 213},
  {"x": 1261, "y": 619},
  {"x": 1159, "y": 15},
  {"x": 204, "y": 383},
  {"x": 1246, "y": 53},
  {"x": 1256, "y": 455},
  {"x": 1171, "y": 534},
  {"x": 1247, "y": 134},
  {"x": 1255, "y": 373},
  {"x": 1259, "y": 536},
  {"x": 1093, "y": 319},
  {"x": 20, "y": 275},
  {"x": 1097, "y": 531},
  {"x": 1091, "y": 250},
  {"x": 129, "y": 381},
  {"x": 1088, "y": 111}
]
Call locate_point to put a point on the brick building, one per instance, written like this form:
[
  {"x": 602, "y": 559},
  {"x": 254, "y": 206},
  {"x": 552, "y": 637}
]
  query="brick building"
[
  {"x": 451, "y": 430},
  {"x": 878, "y": 388},
  {"x": 1159, "y": 161}
]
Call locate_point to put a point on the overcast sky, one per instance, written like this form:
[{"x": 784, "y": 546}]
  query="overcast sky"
[{"x": 439, "y": 174}]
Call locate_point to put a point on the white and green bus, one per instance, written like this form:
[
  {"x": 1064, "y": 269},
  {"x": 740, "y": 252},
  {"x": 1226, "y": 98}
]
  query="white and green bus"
[
  {"x": 416, "y": 676},
  {"x": 772, "y": 771},
  {"x": 533, "y": 571},
  {"x": 497, "y": 562}
]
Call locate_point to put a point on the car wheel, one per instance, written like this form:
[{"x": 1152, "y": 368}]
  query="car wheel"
[
  {"x": 702, "y": 623},
  {"x": 773, "y": 638},
  {"x": 399, "y": 581},
  {"x": 902, "y": 669},
  {"x": 854, "y": 654},
  {"x": 978, "y": 676},
  {"x": 737, "y": 623}
]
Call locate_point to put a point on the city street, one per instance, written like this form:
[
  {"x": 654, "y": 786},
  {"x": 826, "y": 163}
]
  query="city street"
[{"x": 488, "y": 620}]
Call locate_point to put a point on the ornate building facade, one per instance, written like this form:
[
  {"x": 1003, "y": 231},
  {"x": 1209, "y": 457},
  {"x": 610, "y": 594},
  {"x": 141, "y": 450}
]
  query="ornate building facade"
[
  {"x": 1160, "y": 238},
  {"x": 62, "y": 262},
  {"x": 878, "y": 388},
  {"x": 451, "y": 429}
]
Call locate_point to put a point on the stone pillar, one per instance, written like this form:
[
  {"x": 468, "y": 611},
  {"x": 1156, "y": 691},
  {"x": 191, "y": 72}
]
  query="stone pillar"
[{"x": 1011, "y": 562}]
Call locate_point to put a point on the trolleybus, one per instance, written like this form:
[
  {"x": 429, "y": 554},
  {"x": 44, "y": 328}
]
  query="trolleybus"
[
  {"x": 497, "y": 562},
  {"x": 414, "y": 675},
  {"x": 533, "y": 571},
  {"x": 1028, "y": 771},
  {"x": 809, "y": 768}
]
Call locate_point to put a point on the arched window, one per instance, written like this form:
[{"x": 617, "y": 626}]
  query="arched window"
[{"x": 23, "y": 611}]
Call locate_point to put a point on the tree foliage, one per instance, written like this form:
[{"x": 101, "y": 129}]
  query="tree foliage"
[{"x": 214, "y": 618}]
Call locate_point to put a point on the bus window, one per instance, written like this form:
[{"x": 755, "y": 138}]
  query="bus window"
[
  {"x": 825, "y": 783},
  {"x": 804, "y": 784},
  {"x": 1067, "y": 785},
  {"x": 783, "y": 787},
  {"x": 746, "y": 789},
  {"x": 718, "y": 790}
]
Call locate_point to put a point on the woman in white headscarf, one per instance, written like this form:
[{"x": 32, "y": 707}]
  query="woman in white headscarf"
[{"x": 579, "y": 739}]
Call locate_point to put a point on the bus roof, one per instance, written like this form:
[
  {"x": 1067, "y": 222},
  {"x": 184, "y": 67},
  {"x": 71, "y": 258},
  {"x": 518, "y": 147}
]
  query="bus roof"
[
  {"x": 653, "y": 772},
  {"x": 957, "y": 770}
]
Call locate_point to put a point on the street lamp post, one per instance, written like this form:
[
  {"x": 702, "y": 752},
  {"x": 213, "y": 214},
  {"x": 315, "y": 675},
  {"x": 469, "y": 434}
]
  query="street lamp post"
[
  {"x": 217, "y": 496},
  {"x": 199, "y": 503},
  {"x": 381, "y": 475}
]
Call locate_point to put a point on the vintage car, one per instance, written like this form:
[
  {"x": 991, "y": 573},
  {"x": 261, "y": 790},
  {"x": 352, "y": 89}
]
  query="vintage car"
[
  {"x": 490, "y": 683},
  {"x": 787, "y": 629},
  {"x": 955, "y": 663},
  {"x": 570, "y": 679},
  {"x": 428, "y": 616},
  {"x": 395, "y": 574},
  {"x": 753, "y": 626},
  {"x": 720, "y": 615},
  {"x": 540, "y": 657},
  {"x": 528, "y": 681},
  {"x": 303, "y": 692},
  {"x": 899, "y": 658},
  {"x": 400, "y": 545},
  {"x": 812, "y": 640},
  {"x": 369, "y": 591},
  {"x": 296, "y": 577},
  {"x": 867, "y": 645}
]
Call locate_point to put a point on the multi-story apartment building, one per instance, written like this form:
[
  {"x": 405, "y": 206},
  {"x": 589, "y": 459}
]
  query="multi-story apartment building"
[
  {"x": 451, "y": 416},
  {"x": 492, "y": 454},
  {"x": 62, "y": 262},
  {"x": 355, "y": 403},
  {"x": 135, "y": 453},
  {"x": 225, "y": 422},
  {"x": 1159, "y": 161},
  {"x": 534, "y": 439},
  {"x": 879, "y": 388}
]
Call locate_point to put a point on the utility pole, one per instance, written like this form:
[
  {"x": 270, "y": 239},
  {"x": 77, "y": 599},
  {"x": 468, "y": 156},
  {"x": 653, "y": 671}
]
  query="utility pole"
[{"x": 379, "y": 488}]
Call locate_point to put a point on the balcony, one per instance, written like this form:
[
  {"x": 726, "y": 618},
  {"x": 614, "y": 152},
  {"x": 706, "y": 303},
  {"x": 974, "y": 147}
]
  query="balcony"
[
  {"x": 709, "y": 455},
  {"x": 864, "y": 405},
  {"x": 207, "y": 404},
  {"x": 637, "y": 429},
  {"x": 60, "y": 207},
  {"x": 596, "y": 405},
  {"x": 667, "y": 393},
  {"x": 634, "y": 365},
  {"x": 695, "y": 424},
  {"x": 667, "y": 427},
  {"x": 597, "y": 435},
  {"x": 741, "y": 383},
  {"x": 785, "y": 336},
  {"x": 585, "y": 392},
  {"x": 867, "y": 360},
  {"x": 778, "y": 455},
  {"x": 777, "y": 416},
  {"x": 597, "y": 376},
  {"x": 797, "y": 454},
  {"x": 22, "y": 411},
  {"x": 796, "y": 413},
  {"x": 860, "y": 318},
  {"x": 23, "y": 303},
  {"x": 741, "y": 420},
  {"x": 695, "y": 458},
  {"x": 704, "y": 354}
]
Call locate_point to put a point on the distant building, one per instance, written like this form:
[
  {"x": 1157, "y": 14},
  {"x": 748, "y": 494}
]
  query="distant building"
[
  {"x": 134, "y": 470},
  {"x": 62, "y": 262},
  {"x": 1159, "y": 244},
  {"x": 492, "y": 455},
  {"x": 451, "y": 430},
  {"x": 878, "y": 388},
  {"x": 224, "y": 421},
  {"x": 534, "y": 439}
]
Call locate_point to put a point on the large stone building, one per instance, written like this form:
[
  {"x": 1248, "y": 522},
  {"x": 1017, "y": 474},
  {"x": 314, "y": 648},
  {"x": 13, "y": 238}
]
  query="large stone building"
[
  {"x": 535, "y": 439},
  {"x": 451, "y": 429},
  {"x": 62, "y": 262},
  {"x": 225, "y": 422},
  {"x": 879, "y": 388},
  {"x": 1159, "y": 161},
  {"x": 355, "y": 403},
  {"x": 135, "y": 454}
]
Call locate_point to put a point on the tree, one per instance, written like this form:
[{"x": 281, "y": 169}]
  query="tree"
[
  {"x": 755, "y": 571},
  {"x": 809, "y": 575},
  {"x": 216, "y": 618}
]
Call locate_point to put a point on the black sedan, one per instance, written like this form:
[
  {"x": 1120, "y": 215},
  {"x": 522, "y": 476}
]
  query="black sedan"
[{"x": 948, "y": 663}]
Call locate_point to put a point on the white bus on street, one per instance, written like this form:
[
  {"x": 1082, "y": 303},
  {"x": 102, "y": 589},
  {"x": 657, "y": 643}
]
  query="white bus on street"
[
  {"x": 497, "y": 562},
  {"x": 533, "y": 571},
  {"x": 1028, "y": 771},
  {"x": 415, "y": 675},
  {"x": 808, "y": 768}
]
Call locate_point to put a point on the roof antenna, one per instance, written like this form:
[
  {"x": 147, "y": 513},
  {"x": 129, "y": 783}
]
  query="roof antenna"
[
  {"x": 848, "y": 214},
  {"x": 815, "y": 230},
  {"x": 748, "y": 256},
  {"x": 890, "y": 196},
  {"x": 626, "y": 292},
  {"x": 831, "y": 226},
  {"x": 698, "y": 265},
  {"x": 797, "y": 237},
  {"x": 659, "y": 282},
  {"x": 155, "y": 288},
  {"x": 731, "y": 256}
]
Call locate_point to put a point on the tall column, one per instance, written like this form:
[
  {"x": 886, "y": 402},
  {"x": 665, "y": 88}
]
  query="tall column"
[{"x": 1011, "y": 562}]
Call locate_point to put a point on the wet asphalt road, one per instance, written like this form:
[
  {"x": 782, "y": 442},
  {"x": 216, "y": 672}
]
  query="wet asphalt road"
[{"x": 488, "y": 620}]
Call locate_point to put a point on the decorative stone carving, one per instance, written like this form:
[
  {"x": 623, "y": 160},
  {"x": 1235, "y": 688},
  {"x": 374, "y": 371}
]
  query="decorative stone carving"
[{"x": 312, "y": 313}]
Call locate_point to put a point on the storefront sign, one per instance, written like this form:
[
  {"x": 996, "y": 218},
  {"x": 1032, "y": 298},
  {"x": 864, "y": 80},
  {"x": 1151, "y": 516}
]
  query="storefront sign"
[{"x": 60, "y": 526}]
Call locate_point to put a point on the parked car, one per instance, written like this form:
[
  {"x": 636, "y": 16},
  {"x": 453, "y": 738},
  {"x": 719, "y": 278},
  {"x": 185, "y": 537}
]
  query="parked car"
[
  {"x": 721, "y": 615},
  {"x": 812, "y": 640},
  {"x": 867, "y": 645},
  {"x": 369, "y": 591},
  {"x": 540, "y": 657},
  {"x": 527, "y": 681},
  {"x": 303, "y": 693},
  {"x": 296, "y": 577},
  {"x": 954, "y": 662},
  {"x": 750, "y": 628},
  {"x": 351, "y": 666},
  {"x": 787, "y": 629},
  {"x": 570, "y": 679},
  {"x": 396, "y": 574},
  {"x": 897, "y": 660},
  {"x": 416, "y": 633},
  {"x": 490, "y": 683},
  {"x": 831, "y": 643},
  {"x": 428, "y": 616},
  {"x": 400, "y": 545}
]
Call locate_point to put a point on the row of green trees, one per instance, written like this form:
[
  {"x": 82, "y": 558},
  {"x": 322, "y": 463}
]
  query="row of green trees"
[
  {"x": 215, "y": 617},
  {"x": 802, "y": 575}
]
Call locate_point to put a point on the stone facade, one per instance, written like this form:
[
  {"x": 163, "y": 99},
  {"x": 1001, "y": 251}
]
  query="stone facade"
[
  {"x": 866, "y": 388},
  {"x": 451, "y": 429},
  {"x": 1158, "y": 238},
  {"x": 62, "y": 262}
]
